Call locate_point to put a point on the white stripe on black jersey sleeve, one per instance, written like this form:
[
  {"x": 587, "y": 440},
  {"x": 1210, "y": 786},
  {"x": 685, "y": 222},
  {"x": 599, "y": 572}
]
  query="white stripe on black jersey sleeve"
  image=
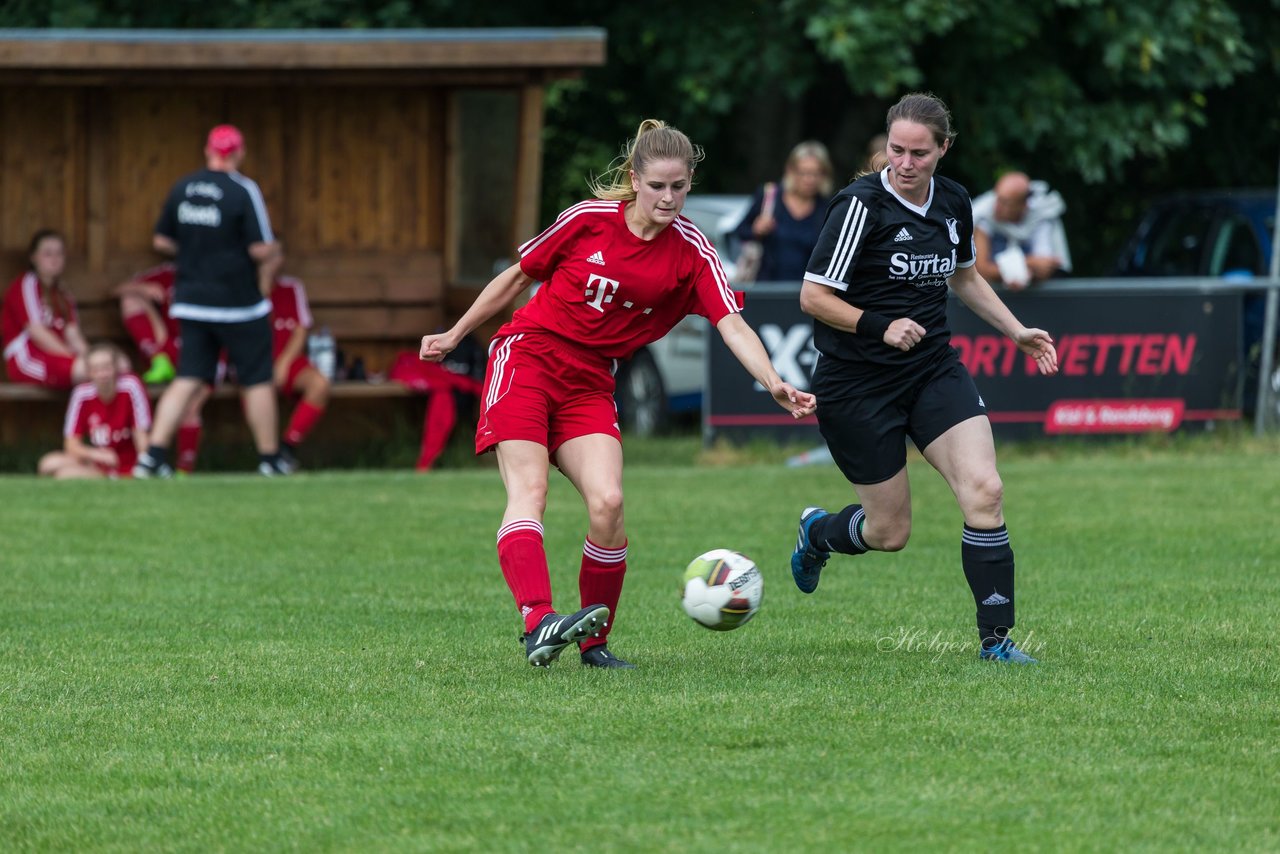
[
  {"x": 258, "y": 205},
  {"x": 839, "y": 244}
]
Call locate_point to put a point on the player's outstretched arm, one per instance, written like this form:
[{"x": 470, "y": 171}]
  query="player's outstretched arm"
[
  {"x": 1037, "y": 344},
  {"x": 497, "y": 295},
  {"x": 743, "y": 342},
  {"x": 974, "y": 291}
]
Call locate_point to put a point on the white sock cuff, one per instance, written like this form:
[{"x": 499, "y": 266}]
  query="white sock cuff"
[
  {"x": 602, "y": 555},
  {"x": 520, "y": 525}
]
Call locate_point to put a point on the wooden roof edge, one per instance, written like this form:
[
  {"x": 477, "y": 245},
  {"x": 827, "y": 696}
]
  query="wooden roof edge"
[{"x": 321, "y": 50}]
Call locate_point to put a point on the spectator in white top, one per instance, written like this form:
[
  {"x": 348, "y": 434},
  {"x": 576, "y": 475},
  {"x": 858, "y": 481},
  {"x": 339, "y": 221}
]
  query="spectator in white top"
[{"x": 1018, "y": 233}]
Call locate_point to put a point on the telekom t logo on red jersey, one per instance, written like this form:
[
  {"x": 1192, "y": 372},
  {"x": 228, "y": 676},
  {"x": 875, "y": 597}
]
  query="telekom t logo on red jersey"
[{"x": 600, "y": 291}]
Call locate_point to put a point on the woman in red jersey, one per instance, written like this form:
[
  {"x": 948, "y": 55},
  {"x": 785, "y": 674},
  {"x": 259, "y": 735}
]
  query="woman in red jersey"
[
  {"x": 617, "y": 272},
  {"x": 41, "y": 330},
  {"x": 107, "y": 422}
]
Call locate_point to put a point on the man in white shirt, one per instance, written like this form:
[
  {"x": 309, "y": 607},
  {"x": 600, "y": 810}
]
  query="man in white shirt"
[{"x": 1018, "y": 233}]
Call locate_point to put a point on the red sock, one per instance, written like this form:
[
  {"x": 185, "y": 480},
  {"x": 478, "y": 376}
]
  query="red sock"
[
  {"x": 188, "y": 446},
  {"x": 143, "y": 334},
  {"x": 524, "y": 566},
  {"x": 600, "y": 583},
  {"x": 303, "y": 419}
]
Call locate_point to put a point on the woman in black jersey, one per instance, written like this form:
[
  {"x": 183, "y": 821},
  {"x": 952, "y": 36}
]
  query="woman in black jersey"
[{"x": 876, "y": 287}]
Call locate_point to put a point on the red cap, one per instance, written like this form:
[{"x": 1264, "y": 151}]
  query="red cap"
[{"x": 224, "y": 140}]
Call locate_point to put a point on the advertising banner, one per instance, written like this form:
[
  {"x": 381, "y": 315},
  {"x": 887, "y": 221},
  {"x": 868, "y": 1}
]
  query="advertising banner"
[{"x": 1129, "y": 362}]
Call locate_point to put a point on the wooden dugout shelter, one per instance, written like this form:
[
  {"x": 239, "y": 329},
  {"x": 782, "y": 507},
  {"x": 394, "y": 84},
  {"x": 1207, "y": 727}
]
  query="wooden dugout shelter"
[{"x": 399, "y": 167}]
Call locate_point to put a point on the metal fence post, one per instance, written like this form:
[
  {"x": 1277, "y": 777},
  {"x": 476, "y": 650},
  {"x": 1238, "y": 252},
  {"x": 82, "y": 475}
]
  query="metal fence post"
[{"x": 1264, "y": 417}]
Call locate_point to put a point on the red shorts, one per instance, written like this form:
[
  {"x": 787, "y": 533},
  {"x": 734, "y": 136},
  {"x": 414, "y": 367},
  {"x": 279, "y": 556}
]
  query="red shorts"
[
  {"x": 25, "y": 363},
  {"x": 297, "y": 366},
  {"x": 541, "y": 388}
]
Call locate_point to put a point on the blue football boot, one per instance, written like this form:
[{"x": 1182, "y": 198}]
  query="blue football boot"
[
  {"x": 1006, "y": 653},
  {"x": 808, "y": 560}
]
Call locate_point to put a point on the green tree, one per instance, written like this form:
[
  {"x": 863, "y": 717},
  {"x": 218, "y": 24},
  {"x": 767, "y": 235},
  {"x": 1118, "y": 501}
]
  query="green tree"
[
  {"x": 1101, "y": 99},
  {"x": 1109, "y": 102}
]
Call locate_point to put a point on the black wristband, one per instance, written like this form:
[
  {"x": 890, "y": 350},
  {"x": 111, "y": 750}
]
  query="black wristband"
[{"x": 873, "y": 325}]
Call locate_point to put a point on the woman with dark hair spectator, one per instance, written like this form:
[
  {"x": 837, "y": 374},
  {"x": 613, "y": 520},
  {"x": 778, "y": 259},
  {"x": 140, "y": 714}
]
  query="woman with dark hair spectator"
[{"x": 43, "y": 344}]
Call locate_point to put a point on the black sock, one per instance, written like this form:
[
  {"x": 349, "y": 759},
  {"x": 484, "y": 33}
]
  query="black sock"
[
  {"x": 272, "y": 460},
  {"x": 159, "y": 455},
  {"x": 988, "y": 567},
  {"x": 841, "y": 532}
]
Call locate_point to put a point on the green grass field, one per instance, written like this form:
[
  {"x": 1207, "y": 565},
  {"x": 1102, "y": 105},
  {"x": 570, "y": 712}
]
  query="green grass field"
[{"x": 330, "y": 663}]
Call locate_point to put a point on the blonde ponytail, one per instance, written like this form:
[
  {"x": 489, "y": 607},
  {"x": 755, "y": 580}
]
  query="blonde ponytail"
[{"x": 654, "y": 141}]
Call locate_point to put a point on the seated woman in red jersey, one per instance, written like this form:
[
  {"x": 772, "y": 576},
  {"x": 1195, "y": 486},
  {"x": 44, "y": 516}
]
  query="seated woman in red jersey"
[
  {"x": 294, "y": 374},
  {"x": 106, "y": 425},
  {"x": 43, "y": 344},
  {"x": 618, "y": 272}
]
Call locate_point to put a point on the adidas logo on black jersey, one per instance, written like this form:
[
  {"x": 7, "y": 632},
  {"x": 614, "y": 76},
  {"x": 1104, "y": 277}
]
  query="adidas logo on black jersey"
[{"x": 903, "y": 235}]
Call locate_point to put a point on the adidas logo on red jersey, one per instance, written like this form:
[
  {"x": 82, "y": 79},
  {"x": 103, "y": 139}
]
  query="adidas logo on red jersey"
[{"x": 596, "y": 257}]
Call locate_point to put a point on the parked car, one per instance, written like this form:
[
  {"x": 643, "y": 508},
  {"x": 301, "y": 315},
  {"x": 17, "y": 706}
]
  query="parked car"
[
  {"x": 665, "y": 380},
  {"x": 1225, "y": 233},
  {"x": 1206, "y": 233}
]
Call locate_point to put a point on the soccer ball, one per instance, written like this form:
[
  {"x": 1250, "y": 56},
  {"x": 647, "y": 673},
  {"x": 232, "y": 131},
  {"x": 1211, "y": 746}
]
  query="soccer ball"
[{"x": 722, "y": 589}]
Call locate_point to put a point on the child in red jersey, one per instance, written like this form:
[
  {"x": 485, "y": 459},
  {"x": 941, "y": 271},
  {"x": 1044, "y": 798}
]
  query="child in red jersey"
[
  {"x": 618, "y": 272},
  {"x": 106, "y": 424},
  {"x": 43, "y": 344}
]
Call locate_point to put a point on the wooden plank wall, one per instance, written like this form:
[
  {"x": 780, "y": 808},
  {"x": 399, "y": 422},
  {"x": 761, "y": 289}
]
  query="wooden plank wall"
[
  {"x": 42, "y": 157},
  {"x": 354, "y": 181}
]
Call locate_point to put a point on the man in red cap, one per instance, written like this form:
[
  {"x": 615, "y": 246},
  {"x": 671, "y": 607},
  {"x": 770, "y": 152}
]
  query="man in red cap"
[
  {"x": 215, "y": 223},
  {"x": 225, "y": 140}
]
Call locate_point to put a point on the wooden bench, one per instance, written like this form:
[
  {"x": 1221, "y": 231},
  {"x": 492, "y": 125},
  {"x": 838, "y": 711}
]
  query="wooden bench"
[
  {"x": 375, "y": 305},
  {"x": 366, "y": 425}
]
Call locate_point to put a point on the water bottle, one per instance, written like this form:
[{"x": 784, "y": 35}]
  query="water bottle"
[{"x": 322, "y": 351}]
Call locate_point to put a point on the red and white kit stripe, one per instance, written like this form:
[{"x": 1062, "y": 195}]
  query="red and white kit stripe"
[
  {"x": 500, "y": 352},
  {"x": 602, "y": 555},
  {"x": 690, "y": 232},
  {"x": 532, "y": 526}
]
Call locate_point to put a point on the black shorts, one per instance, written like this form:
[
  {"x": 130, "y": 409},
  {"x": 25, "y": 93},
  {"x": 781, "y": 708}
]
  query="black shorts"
[
  {"x": 248, "y": 346},
  {"x": 865, "y": 416}
]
